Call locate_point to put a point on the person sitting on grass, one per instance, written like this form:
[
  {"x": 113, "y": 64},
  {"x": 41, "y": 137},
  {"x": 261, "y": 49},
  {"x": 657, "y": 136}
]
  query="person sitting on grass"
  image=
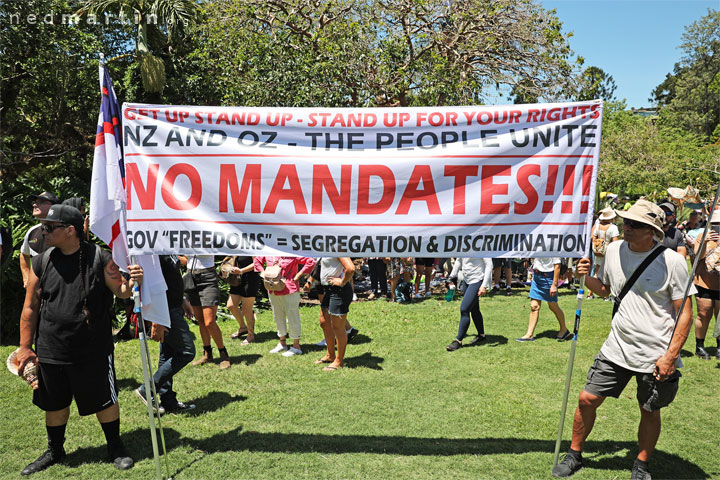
[
  {"x": 477, "y": 273},
  {"x": 544, "y": 288}
]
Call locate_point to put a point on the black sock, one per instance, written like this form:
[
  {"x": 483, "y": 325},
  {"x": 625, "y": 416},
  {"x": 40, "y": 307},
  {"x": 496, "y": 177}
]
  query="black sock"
[
  {"x": 56, "y": 437},
  {"x": 575, "y": 453},
  {"x": 641, "y": 463},
  {"x": 208, "y": 349},
  {"x": 112, "y": 434},
  {"x": 222, "y": 350},
  {"x": 699, "y": 343}
]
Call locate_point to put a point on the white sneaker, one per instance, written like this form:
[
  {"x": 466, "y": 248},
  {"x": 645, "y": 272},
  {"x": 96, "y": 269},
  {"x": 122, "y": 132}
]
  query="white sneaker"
[
  {"x": 292, "y": 351},
  {"x": 321, "y": 343},
  {"x": 279, "y": 348},
  {"x": 428, "y": 294},
  {"x": 418, "y": 296}
]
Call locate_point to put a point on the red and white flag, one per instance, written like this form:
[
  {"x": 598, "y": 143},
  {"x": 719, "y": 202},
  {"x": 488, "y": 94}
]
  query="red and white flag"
[{"x": 108, "y": 204}]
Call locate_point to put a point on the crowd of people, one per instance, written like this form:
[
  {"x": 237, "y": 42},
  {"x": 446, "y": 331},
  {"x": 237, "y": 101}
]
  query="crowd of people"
[{"x": 70, "y": 283}]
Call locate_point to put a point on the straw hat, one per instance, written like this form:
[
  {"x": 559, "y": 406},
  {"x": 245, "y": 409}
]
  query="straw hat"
[
  {"x": 647, "y": 213},
  {"x": 607, "y": 214}
]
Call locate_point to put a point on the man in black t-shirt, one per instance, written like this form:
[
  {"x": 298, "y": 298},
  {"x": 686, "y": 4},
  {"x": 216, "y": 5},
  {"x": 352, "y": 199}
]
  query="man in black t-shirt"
[
  {"x": 674, "y": 239},
  {"x": 67, "y": 315},
  {"x": 178, "y": 347}
]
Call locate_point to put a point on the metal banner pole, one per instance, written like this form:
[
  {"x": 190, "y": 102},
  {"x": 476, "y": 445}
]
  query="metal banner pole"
[
  {"x": 151, "y": 398},
  {"x": 571, "y": 362},
  {"x": 146, "y": 379}
]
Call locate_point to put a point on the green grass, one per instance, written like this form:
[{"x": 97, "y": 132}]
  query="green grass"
[{"x": 403, "y": 407}]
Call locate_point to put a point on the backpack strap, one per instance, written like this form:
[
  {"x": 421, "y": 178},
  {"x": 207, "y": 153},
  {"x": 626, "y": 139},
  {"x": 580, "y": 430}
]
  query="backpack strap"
[
  {"x": 44, "y": 260},
  {"x": 638, "y": 271}
]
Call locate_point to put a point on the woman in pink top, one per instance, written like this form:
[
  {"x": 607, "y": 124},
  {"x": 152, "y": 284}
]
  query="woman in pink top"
[{"x": 286, "y": 302}]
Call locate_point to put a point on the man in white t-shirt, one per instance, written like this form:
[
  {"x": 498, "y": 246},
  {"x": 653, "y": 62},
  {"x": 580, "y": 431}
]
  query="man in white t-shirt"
[
  {"x": 34, "y": 242},
  {"x": 644, "y": 342}
]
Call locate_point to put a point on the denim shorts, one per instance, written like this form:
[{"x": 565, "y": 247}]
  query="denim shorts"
[
  {"x": 607, "y": 379},
  {"x": 337, "y": 300}
]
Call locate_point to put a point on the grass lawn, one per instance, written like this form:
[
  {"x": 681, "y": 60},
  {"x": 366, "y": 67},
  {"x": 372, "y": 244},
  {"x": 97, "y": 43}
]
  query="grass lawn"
[{"x": 403, "y": 407}]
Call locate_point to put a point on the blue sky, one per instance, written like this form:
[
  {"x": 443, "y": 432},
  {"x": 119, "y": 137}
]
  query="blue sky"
[{"x": 635, "y": 41}]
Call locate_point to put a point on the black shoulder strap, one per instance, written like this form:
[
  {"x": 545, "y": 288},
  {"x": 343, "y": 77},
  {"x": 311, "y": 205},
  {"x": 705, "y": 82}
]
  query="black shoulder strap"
[
  {"x": 98, "y": 267},
  {"x": 44, "y": 260},
  {"x": 638, "y": 271}
]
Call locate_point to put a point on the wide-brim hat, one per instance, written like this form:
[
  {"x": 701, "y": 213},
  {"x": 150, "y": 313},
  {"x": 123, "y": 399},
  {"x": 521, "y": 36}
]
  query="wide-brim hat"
[
  {"x": 65, "y": 214},
  {"x": 715, "y": 217},
  {"x": 50, "y": 197},
  {"x": 647, "y": 213},
  {"x": 607, "y": 214}
]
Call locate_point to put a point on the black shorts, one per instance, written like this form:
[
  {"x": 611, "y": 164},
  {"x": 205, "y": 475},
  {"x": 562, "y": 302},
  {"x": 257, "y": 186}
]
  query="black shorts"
[
  {"x": 206, "y": 292},
  {"x": 706, "y": 293},
  {"x": 607, "y": 379},
  {"x": 425, "y": 262},
  {"x": 337, "y": 300},
  {"x": 502, "y": 262},
  {"x": 92, "y": 384},
  {"x": 249, "y": 285}
]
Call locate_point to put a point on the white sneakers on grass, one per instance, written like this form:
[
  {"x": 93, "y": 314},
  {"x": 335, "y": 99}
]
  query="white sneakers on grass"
[
  {"x": 286, "y": 351},
  {"x": 279, "y": 348},
  {"x": 291, "y": 352}
]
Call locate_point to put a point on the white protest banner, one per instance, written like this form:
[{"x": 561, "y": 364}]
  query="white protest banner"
[{"x": 493, "y": 181}]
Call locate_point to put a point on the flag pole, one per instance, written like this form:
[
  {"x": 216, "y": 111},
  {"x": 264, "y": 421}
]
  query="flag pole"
[
  {"x": 107, "y": 219},
  {"x": 151, "y": 398}
]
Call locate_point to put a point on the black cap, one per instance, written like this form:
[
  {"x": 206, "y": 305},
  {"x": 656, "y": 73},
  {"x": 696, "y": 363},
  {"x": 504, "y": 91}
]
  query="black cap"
[
  {"x": 76, "y": 202},
  {"x": 65, "y": 214},
  {"x": 667, "y": 206},
  {"x": 45, "y": 196}
]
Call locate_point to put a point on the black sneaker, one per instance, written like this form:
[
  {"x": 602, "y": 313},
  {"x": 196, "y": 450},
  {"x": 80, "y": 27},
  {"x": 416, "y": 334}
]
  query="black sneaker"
[
  {"x": 508, "y": 293},
  {"x": 352, "y": 334},
  {"x": 640, "y": 471},
  {"x": 702, "y": 353},
  {"x": 180, "y": 408},
  {"x": 47, "y": 459},
  {"x": 477, "y": 339},
  {"x": 141, "y": 396},
  {"x": 120, "y": 458},
  {"x": 570, "y": 464},
  {"x": 453, "y": 346}
]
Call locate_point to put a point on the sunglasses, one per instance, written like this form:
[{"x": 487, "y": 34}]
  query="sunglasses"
[
  {"x": 635, "y": 225},
  {"x": 51, "y": 228}
]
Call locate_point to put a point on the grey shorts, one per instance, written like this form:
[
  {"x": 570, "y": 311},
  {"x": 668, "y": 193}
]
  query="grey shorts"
[
  {"x": 206, "y": 292},
  {"x": 607, "y": 379}
]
